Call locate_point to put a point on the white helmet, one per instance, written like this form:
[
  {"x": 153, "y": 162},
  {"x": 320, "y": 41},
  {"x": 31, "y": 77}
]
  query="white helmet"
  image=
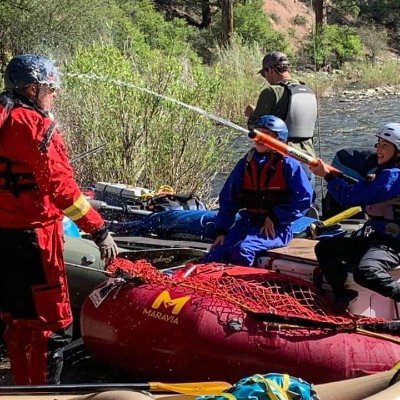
[{"x": 391, "y": 133}]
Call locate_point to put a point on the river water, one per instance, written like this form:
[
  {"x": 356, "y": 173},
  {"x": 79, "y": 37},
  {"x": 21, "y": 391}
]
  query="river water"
[{"x": 342, "y": 123}]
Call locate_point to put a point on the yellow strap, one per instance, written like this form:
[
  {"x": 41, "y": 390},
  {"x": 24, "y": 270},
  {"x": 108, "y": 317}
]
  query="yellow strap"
[
  {"x": 286, "y": 382},
  {"x": 396, "y": 366},
  {"x": 166, "y": 189},
  {"x": 146, "y": 196},
  {"x": 271, "y": 384},
  {"x": 228, "y": 396},
  {"x": 79, "y": 209}
]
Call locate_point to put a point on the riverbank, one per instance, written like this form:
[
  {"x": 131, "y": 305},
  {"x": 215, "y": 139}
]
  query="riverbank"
[
  {"x": 356, "y": 80},
  {"x": 348, "y": 91},
  {"x": 359, "y": 94}
]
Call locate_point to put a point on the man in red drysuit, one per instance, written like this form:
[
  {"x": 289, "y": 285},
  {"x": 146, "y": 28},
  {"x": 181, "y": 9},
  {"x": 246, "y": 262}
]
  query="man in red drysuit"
[{"x": 37, "y": 188}]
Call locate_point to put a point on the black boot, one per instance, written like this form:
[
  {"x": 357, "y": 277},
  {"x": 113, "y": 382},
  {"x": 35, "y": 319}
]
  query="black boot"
[{"x": 344, "y": 299}]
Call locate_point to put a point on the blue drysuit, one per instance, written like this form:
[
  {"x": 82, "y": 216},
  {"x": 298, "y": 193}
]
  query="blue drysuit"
[
  {"x": 375, "y": 251},
  {"x": 243, "y": 239}
]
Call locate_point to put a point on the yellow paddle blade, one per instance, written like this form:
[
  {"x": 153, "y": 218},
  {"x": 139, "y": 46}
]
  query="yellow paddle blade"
[
  {"x": 194, "y": 388},
  {"x": 396, "y": 366},
  {"x": 342, "y": 215}
]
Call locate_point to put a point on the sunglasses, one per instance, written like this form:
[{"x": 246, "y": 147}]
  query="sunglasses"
[{"x": 49, "y": 88}]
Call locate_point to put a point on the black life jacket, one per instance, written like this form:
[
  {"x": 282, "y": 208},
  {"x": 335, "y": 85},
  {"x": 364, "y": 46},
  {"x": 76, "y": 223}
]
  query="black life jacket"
[
  {"x": 12, "y": 177},
  {"x": 263, "y": 189}
]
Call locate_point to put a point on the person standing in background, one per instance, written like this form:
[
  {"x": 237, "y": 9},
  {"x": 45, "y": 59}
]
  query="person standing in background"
[{"x": 289, "y": 99}]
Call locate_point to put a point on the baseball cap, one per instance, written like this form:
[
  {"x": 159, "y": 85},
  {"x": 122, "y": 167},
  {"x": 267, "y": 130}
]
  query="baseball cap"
[{"x": 274, "y": 59}]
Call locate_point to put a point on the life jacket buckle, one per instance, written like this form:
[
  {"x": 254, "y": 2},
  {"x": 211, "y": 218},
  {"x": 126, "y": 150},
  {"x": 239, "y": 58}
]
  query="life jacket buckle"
[{"x": 367, "y": 231}]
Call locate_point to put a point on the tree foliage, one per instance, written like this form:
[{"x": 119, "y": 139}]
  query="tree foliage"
[
  {"x": 173, "y": 37},
  {"x": 381, "y": 11},
  {"x": 109, "y": 49},
  {"x": 150, "y": 141},
  {"x": 50, "y": 26},
  {"x": 333, "y": 45},
  {"x": 253, "y": 26}
]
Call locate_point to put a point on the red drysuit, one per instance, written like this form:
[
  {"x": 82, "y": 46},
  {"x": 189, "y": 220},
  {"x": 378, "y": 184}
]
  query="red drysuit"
[{"x": 36, "y": 188}]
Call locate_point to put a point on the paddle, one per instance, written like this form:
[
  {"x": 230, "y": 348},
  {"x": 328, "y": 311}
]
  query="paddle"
[
  {"x": 190, "y": 388},
  {"x": 316, "y": 228},
  {"x": 347, "y": 389},
  {"x": 350, "y": 212},
  {"x": 290, "y": 151}
]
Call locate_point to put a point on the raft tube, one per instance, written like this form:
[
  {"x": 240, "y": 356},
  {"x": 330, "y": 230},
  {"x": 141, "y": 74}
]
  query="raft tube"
[{"x": 176, "y": 335}]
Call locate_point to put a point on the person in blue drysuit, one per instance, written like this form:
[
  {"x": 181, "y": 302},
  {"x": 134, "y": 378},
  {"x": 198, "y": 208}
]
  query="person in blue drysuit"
[
  {"x": 264, "y": 193},
  {"x": 376, "y": 250}
]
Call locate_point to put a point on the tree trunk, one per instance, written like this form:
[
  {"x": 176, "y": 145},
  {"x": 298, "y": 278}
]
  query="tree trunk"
[
  {"x": 205, "y": 13},
  {"x": 319, "y": 12},
  {"x": 227, "y": 21}
]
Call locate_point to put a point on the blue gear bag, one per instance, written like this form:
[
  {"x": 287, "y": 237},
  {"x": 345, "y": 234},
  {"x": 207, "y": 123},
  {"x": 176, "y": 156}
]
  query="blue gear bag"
[{"x": 272, "y": 386}]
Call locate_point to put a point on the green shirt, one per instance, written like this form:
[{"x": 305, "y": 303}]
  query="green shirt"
[{"x": 274, "y": 100}]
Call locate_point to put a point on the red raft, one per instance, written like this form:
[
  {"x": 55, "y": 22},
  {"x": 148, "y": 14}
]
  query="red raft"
[{"x": 224, "y": 322}]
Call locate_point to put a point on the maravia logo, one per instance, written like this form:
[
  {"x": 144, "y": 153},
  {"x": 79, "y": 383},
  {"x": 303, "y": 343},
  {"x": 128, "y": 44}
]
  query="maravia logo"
[{"x": 175, "y": 305}]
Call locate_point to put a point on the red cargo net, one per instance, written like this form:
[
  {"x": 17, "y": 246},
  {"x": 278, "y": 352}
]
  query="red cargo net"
[{"x": 273, "y": 296}]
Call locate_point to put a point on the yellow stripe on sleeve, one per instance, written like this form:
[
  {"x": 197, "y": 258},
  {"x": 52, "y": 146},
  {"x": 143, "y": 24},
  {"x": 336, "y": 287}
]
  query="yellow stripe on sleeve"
[{"x": 79, "y": 209}]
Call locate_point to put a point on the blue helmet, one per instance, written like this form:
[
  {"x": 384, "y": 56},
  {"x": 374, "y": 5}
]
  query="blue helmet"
[
  {"x": 273, "y": 124},
  {"x": 30, "y": 68}
]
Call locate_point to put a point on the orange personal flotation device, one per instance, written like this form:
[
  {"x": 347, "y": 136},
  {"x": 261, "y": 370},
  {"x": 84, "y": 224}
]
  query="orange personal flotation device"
[{"x": 263, "y": 188}]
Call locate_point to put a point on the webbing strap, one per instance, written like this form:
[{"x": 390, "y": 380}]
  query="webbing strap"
[
  {"x": 11, "y": 179},
  {"x": 44, "y": 144},
  {"x": 286, "y": 382},
  {"x": 271, "y": 384},
  {"x": 228, "y": 396}
]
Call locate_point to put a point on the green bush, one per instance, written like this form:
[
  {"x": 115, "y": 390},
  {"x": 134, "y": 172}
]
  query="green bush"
[
  {"x": 334, "y": 45},
  {"x": 52, "y": 27},
  {"x": 369, "y": 75},
  {"x": 237, "y": 67},
  {"x": 150, "y": 141},
  {"x": 291, "y": 32},
  {"x": 253, "y": 26},
  {"x": 173, "y": 37},
  {"x": 375, "y": 41}
]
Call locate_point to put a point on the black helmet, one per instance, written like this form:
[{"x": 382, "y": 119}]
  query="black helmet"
[{"x": 30, "y": 68}]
